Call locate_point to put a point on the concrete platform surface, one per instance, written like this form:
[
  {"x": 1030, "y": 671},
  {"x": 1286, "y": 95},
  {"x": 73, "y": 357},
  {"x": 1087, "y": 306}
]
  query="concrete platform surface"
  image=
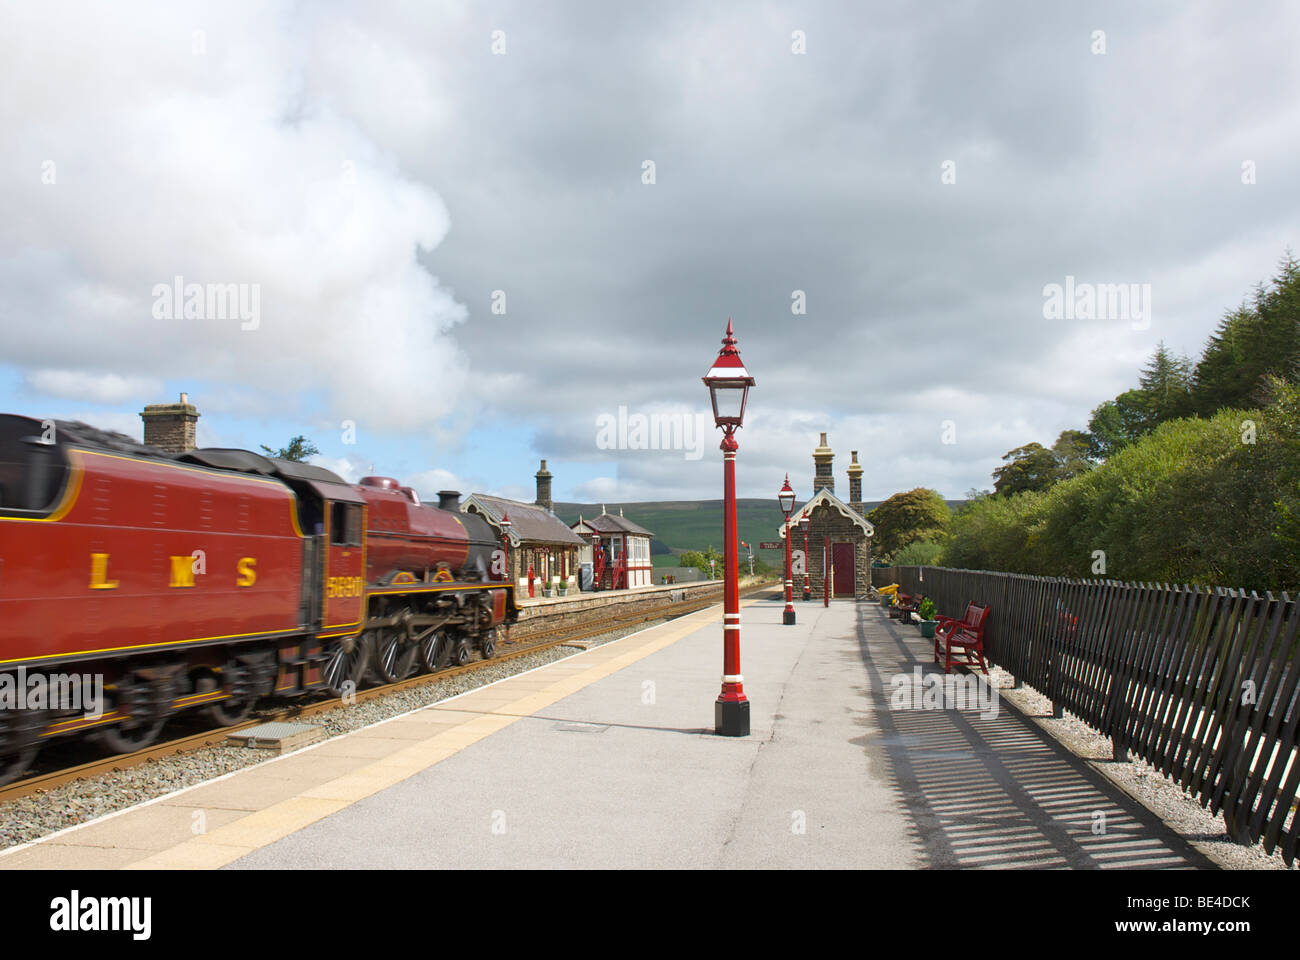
[{"x": 608, "y": 759}]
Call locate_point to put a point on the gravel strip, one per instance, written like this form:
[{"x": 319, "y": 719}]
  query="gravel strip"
[
  {"x": 1145, "y": 783},
  {"x": 29, "y": 818}
]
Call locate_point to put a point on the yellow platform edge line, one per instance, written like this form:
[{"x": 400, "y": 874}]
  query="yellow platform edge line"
[{"x": 260, "y": 828}]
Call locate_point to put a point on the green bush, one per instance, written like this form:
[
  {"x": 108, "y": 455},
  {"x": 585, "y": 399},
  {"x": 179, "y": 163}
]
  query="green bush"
[
  {"x": 1213, "y": 501},
  {"x": 906, "y": 518},
  {"x": 921, "y": 553}
]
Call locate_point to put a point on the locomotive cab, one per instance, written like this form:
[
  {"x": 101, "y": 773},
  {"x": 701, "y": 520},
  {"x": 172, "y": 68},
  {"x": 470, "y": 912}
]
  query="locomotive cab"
[{"x": 33, "y": 467}]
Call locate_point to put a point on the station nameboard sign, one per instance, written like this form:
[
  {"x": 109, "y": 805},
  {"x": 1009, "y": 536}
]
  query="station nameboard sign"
[{"x": 772, "y": 545}]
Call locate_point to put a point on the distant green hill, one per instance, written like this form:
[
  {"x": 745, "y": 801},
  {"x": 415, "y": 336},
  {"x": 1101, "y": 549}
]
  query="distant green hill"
[{"x": 695, "y": 525}]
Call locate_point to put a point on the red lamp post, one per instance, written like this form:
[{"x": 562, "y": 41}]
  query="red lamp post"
[
  {"x": 729, "y": 382},
  {"x": 786, "y": 499},
  {"x": 804, "y": 523},
  {"x": 826, "y": 574}
]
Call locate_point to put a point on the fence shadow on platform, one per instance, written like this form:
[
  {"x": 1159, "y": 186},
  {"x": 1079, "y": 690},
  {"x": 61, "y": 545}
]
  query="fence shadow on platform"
[{"x": 998, "y": 792}]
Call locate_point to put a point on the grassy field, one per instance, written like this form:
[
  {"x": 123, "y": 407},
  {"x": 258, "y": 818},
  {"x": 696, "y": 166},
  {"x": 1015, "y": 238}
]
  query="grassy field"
[
  {"x": 697, "y": 524},
  {"x": 694, "y": 525}
]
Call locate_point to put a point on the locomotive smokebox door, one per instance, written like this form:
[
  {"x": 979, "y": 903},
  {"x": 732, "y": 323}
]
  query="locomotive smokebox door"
[{"x": 344, "y": 574}]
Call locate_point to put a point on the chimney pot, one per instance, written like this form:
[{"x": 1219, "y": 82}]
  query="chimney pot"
[
  {"x": 543, "y": 477},
  {"x": 171, "y": 427},
  {"x": 823, "y": 475}
]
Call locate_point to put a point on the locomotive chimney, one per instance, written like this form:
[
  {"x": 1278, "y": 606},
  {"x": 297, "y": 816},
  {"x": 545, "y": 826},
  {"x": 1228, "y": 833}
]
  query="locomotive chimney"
[
  {"x": 823, "y": 478},
  {"x": 544, "y": 488},
  {"x": 171, "y": 427},
  {"x": 449, "y": 500}
]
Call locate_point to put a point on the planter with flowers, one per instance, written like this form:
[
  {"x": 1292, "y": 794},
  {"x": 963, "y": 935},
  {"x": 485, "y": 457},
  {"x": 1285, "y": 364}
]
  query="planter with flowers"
[{"x": 926, "y": 611}]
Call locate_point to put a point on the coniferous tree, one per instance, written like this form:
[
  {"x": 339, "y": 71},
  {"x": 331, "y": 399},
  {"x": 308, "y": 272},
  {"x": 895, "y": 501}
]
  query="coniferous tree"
[
  {"x": 1251, "y": 344},
  {"x": 1166, "y": 381}
]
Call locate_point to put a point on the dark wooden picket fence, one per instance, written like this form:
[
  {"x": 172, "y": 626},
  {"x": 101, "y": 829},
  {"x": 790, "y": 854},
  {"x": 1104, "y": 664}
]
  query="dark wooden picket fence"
[{"x": 1200, "y": 682}]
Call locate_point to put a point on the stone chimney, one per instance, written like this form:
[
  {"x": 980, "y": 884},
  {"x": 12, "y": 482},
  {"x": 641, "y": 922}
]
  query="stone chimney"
[
  {"x": 855, "y": 484},
  {"x": 544, "y": 488},
  {"x": 171, "y": 427},
  {"x": 823, "y": 457}
]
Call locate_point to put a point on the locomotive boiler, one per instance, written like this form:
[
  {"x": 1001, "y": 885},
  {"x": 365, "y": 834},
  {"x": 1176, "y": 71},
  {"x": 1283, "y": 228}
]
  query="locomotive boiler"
[{"x": 213, "y": 578}]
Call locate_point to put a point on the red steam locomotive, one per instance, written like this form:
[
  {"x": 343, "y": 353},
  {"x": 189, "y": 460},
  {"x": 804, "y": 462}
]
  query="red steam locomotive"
[{"x": 135, "y": 584}]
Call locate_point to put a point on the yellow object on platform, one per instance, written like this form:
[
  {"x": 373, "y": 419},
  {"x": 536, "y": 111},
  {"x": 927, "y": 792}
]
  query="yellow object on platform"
[{"x": 888, "y": 591}]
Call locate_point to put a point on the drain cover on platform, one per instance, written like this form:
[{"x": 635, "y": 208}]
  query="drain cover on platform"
[
  {"x": 577, "y": 726},
  {"x": 280, "y": 737}
]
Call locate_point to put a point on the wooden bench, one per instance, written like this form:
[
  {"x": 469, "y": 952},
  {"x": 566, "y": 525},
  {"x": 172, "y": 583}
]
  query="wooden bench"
[{"x": 962, "y": 639}]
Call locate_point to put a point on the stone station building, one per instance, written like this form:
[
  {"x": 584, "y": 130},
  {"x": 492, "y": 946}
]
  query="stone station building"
[
  {"x": 842, "y": 524},
  {"x": 538, "y": 538}
]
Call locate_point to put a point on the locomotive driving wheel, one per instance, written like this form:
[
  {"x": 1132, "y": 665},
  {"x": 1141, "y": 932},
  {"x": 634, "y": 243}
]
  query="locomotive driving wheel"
[
  {"x": 349, "y": 659},
  {"x": 488, "y": 643},
  {"x": 396, "y": 654},
  {"x": 436, "y": 649}
]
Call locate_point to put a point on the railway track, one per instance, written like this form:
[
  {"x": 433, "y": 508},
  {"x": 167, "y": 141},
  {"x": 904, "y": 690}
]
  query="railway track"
[{"x": 568, "y": 634}]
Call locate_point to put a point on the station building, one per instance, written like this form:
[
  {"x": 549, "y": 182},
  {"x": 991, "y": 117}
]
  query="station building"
[
  {"x": 539, "y": 540},
  {"x": 619, "y": 550},
  {"x": 839, "y": 536}
]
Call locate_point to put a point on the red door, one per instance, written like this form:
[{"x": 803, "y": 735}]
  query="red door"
[{"x": 842, "y": 573}]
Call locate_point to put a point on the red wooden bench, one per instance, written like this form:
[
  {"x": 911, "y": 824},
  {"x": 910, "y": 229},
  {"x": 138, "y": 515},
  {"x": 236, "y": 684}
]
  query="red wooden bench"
[{"x": 963, "y": 638}]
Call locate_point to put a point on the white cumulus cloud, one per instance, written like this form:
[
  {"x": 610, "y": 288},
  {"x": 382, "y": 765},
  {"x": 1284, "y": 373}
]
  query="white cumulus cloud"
[{"x": 220, "y": 145}]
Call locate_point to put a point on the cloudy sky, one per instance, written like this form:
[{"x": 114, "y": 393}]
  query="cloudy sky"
[{"x": 470, "y": 231}]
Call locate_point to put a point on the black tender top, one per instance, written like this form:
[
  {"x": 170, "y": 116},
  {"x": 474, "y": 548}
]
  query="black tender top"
[
  {"x": 83, "y": 434},
  {"x": 247, "y": 462}
]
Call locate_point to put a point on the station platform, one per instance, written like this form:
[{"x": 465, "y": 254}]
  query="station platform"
[{"x": 608, "y": 759}]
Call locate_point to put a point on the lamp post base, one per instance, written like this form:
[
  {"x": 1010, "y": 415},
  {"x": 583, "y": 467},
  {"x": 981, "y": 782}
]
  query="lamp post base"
[
  {"x": 731, "y": 718},
  {"x": 807, "y": 594},
  {"x": 787, "y": 618}
]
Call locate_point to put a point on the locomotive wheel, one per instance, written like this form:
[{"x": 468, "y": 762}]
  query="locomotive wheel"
[
  {"x": 225, "y": 713},
  {"x": 488, "y": 644},
  {"x": 462, "y": 652},
  {"x": 116, "y": 739},
  {"x": 137, "y": 731},
  {"x": 435, "y": 651},
  {"x": 395, "y": 658},
  {"x": 20, "y": 747},
  {"x": 15, "y": 765},
  {"x": 349, "y": 660}
]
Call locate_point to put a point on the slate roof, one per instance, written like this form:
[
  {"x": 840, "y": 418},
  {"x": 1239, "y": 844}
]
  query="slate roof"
[
  {"x": 826, "y": 498},
  {"x": 607, "y": 523},
  {"x": 529, "y": 523}
]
